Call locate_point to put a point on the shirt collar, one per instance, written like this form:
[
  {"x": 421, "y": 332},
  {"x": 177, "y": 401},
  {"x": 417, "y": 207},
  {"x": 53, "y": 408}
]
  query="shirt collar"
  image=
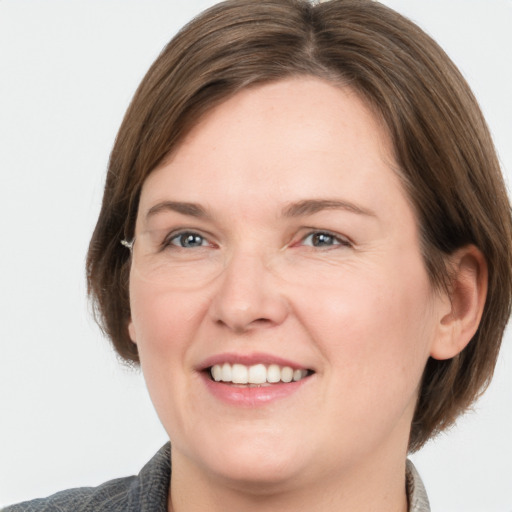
[
  {"x": 154, "y": 482},
  {"x": 416, "y": 493}
]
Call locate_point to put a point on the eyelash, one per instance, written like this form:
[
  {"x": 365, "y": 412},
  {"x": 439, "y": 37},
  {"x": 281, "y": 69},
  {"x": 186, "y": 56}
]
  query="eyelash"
[
  {"x": 336, "y": 239},
  {"x": 168, "y": 241},
  {"x": 340, "y": 241}
]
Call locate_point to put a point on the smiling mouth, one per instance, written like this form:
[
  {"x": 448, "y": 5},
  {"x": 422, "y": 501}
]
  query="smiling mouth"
[{"x": 256, "y": 375}]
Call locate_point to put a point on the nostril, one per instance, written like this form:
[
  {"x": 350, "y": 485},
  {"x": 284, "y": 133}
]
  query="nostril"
[
  {"x": 241, "y": 327},
  {"x": 262, "y": 321}
]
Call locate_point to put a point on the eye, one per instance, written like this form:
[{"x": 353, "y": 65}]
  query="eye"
[
  {"x": 324, "y": 239},
  {"x": 187, "y": 240}
]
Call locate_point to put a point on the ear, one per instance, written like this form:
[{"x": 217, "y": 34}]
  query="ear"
[
  {"x": 464, "y": 304},
  {"x": 131, "y": 331}
]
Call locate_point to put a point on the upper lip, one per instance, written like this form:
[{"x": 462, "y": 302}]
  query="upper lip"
[{"x": 249, "y": 360}]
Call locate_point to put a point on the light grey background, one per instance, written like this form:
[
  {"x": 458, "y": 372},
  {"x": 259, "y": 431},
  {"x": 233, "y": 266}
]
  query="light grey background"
[{"x": 70, "y": 415}]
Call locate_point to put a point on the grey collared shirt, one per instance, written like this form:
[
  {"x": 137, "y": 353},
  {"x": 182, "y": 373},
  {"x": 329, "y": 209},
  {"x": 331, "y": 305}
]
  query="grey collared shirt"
[
  {"x": 147, "y": 492},
  {"x": 416, "y": 494}
]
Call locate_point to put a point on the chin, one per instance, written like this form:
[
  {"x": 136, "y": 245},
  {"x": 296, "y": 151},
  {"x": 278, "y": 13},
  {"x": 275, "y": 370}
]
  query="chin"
[
  {"x": 251, "y": 460},
  {"x": 263, "y": 473}
]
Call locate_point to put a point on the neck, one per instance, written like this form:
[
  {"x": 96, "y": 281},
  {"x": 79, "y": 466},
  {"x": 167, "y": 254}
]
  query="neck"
[{"x": 378, "y": 487}]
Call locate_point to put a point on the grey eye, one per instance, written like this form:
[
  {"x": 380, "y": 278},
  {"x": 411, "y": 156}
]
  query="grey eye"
[
  {"x": 323, "y": 239},
  {"x": 188, "y": 240}
]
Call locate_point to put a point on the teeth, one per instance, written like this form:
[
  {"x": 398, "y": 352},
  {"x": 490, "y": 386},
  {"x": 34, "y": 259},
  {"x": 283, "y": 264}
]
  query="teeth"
[
  {"x": 226, "y": 372},
  {"x": 297, "y": 375},
  {"x": 273, "y": 373},
  {"x": 217, "y": 373},
  {"x": 256, "y": 374},
  {"x": 287, "y": 374},
  {"x": 240, "y": 374}
]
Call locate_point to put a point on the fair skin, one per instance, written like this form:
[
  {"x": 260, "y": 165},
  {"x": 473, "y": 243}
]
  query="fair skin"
[{"x": 306, "y": 254}]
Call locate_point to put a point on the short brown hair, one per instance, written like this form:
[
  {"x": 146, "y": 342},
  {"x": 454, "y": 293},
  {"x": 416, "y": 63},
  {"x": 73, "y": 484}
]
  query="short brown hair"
[{"x": 444, "y": 153}]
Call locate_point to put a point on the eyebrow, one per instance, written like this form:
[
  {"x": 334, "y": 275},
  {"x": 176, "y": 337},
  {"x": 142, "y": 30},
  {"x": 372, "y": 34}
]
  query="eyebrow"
[
  {"x": 191, "y": 209},
  {"x": 298, "y": 209},
  {"x": 311, "y": 206}
]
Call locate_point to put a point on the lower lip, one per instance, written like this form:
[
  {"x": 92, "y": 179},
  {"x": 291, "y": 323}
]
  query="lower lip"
[{"x": 252, "y": 396}]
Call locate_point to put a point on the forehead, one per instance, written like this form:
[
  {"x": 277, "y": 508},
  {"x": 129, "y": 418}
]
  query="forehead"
[{"x": 285, "y": 141}]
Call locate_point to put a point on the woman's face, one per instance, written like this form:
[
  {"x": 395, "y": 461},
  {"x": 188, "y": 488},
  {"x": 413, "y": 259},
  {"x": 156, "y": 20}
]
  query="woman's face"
[{"x": 278, "y": 235}]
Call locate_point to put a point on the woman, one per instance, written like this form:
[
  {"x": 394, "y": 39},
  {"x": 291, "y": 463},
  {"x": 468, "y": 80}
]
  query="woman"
[{"x": 305, "y": 242}]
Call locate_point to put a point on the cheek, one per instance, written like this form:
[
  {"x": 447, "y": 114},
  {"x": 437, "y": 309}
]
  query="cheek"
[
  {"x": 162, "y": 320},
  {"x": 375, "y": 327},
  {"x": 163, "y": 324}
]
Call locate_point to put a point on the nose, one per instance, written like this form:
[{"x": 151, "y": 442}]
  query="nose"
[{"x": 248, "y": 295}]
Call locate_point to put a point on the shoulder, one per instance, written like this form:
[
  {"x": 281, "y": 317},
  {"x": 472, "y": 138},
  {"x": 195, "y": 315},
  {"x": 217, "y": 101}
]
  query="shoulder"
[
  {"x": 112, "y": 495},
  {"x": 416, "y": 494},
  {"x": 146, "y": 491}
]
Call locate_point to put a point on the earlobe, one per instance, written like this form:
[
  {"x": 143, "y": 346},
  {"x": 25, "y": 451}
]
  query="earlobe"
[
  {"x": 131, "y": 331},
  {"x": 464, "y": 304}
]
